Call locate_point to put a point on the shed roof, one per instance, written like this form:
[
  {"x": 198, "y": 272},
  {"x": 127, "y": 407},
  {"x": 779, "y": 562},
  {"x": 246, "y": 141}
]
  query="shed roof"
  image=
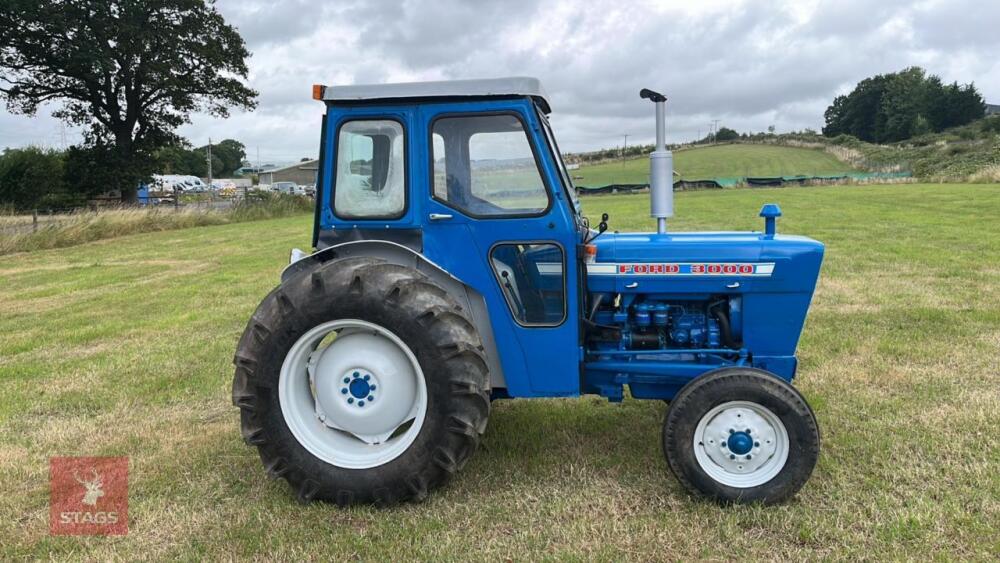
[
  {"x": 303, "y": 165},
  {"x": 480, "y": 88}
]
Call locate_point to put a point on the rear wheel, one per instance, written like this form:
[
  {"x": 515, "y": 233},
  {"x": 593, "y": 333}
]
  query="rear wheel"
[
  {"x": 741, "y": 435},
  {"x": 361, "y": 381}
]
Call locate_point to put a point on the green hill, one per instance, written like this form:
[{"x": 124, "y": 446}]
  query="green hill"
[
  {"x": 720, "y": 161},
  {"x": 970, "y": 153}
]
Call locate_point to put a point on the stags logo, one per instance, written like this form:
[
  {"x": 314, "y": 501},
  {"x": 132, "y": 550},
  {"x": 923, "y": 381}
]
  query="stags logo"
[
  {"x": 89, "y": 495},
  {"x": 93, "y": 487}
]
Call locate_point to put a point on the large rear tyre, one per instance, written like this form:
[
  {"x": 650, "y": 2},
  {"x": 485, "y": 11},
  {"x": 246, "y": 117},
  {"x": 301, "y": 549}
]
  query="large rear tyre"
[
  {"x": 361, "y": 381},
  {"x": 741, "y": 435}
]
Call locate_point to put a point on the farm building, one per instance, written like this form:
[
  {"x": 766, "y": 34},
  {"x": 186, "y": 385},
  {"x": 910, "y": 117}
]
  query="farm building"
[
  {"x": 302, "y": 173},
  {"x": 992, "y": 109}
]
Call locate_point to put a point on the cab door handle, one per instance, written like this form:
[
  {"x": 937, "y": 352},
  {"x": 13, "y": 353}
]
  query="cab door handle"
[{"x": 439, "y": 216}]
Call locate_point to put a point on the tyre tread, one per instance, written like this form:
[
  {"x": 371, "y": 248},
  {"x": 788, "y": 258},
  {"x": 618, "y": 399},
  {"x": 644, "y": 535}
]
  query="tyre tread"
[{"x": 457, "y": 348}]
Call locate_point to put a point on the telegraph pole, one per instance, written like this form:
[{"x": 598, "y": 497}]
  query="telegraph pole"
[
  {"x": 715, "y": 129},
  {"x": 209, "y": 158},
  {"x": 624, "y": 147}
]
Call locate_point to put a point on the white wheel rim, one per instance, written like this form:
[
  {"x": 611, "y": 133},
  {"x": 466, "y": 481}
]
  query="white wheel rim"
[
  {"x": 349, "y": 401},
  {"x": 741, "y": 444}
]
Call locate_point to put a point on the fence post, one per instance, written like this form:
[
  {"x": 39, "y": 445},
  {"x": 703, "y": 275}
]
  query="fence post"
[{"x": 34, "y": 220}]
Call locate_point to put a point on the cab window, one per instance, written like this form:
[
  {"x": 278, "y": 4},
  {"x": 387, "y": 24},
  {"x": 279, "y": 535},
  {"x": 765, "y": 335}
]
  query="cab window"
[
  {"x": 484, "y": 166},
  {"x": 370, "y": 180},
  {"x": 532, "y": 281}
]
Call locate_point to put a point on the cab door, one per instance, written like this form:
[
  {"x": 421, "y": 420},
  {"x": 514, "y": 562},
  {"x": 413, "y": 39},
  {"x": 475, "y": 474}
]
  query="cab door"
[{"x": 498, "y": 218}]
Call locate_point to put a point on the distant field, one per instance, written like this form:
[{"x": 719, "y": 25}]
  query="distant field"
[
  {"x": 722, "y": 161},
  {"x": 124, "y": 347}
]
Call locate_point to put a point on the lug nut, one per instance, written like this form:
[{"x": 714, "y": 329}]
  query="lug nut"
[
  {"x": 371, "y": 398},
  {"x": 361, "y": 403},
  {"x": 372, "y": 387},
  {"x": 756, "y": 444},
  {"x": 749, "y": 456},
  {"x": 347, "y": 380},
  {"x": 731, "y": 431},
  {"x": 350, "y": 400},
  {"x": 344, "y": 390},
  {"x": 367, "y": 377},
  {"x": 731, "y": 456},
  {"x": 356, "y": 374}
]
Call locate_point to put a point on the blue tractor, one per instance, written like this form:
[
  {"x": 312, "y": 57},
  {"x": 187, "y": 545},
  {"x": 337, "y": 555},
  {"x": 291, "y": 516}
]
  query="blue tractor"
[{"x": 453, "y": 267}]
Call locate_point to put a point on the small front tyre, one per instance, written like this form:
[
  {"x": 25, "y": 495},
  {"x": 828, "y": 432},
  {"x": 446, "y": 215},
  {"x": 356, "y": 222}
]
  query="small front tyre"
[{"x": 741, "y": 435}]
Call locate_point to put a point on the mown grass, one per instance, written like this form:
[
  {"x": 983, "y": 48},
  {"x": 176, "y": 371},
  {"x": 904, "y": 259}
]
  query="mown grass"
[
  {"x": 721, "y": 161},
  {"x": 87, "y": 226},
  {"x": 123, "y": 347}
]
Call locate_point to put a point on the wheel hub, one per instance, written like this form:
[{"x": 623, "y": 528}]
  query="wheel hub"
[
  {"x": 359, "y": 387},
  {"x": 741, "y": 444},
  {"x": 348, "y": 381},
  {"x": 356, "y": 402}
]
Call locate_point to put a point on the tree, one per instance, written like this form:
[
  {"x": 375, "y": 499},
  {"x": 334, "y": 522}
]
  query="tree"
[
  {"x": 726, "y": 134},
  {"x": 230, "y": 152},
  {"x": 858, "y": 112},
  {"x": 93, "y": 170},
  {"x": 896, "y": 106},
  {"x": 179, "y": 158},
  {"x": 32, "y": 177},
  {"x": 130, "y": 71},
  {"x": 903, "y": 102}
]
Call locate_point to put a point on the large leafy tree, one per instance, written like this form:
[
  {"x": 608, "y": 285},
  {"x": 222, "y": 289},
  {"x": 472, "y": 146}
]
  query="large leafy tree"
[
  {"x": 897, "y": 106},
  {"x": 129, "y": 71}
]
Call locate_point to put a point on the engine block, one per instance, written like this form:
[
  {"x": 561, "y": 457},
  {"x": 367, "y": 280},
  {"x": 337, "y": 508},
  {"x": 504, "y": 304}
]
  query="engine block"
[{"x": 645, "y": 322}]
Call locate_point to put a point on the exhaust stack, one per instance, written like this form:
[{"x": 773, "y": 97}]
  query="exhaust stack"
[{"x": 661, "y": 166}]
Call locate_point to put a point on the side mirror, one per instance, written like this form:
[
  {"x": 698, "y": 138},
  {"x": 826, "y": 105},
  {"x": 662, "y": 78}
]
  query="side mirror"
[{"x": 603, "y": 225}]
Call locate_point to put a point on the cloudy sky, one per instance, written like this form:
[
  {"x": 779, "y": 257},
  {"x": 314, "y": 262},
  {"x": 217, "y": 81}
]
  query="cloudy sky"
[{"x": 749, "y": 64}]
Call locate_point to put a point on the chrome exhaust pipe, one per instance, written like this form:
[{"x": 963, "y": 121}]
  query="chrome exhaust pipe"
[{"x": 661, "y": 166}]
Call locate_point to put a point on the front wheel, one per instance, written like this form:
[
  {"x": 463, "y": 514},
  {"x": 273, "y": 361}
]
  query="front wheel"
[{"x": 741, "y": 435}]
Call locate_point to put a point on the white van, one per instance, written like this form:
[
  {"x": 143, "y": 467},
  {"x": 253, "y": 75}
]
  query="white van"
[{"x": 290, "y": 188}]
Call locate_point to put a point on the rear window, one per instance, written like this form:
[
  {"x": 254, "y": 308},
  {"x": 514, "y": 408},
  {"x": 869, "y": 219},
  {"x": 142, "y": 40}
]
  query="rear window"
[{"x": 370, "y": 178}]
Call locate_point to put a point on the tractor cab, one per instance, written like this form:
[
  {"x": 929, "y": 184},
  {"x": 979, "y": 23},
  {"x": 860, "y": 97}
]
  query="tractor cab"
[
  {"x": 467, "y": 175},
  {"x": 452, "y": 266}
]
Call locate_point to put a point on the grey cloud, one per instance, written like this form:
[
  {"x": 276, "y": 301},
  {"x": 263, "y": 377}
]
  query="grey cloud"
[
  {"x": 751, "y": 64},
  {"x": 432, "y": 34},
  {"x": 959, "y": 24},
  {"x": 263, "y": 23}
]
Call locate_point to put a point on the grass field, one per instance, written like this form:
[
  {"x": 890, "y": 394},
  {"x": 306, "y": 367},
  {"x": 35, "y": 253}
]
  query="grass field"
[
  {"x": 722, "y": 161},
  {"x": 112, "y": 348}
]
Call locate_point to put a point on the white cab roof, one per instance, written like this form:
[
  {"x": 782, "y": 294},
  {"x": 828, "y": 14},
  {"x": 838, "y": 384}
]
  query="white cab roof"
[{"x": 487, "y": 87}]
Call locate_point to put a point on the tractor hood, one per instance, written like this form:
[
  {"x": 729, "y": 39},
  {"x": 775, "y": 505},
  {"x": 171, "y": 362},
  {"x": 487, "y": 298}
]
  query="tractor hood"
[
  {"x": 708, "y": 262},
  {"x": 695, "y": 247}
]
